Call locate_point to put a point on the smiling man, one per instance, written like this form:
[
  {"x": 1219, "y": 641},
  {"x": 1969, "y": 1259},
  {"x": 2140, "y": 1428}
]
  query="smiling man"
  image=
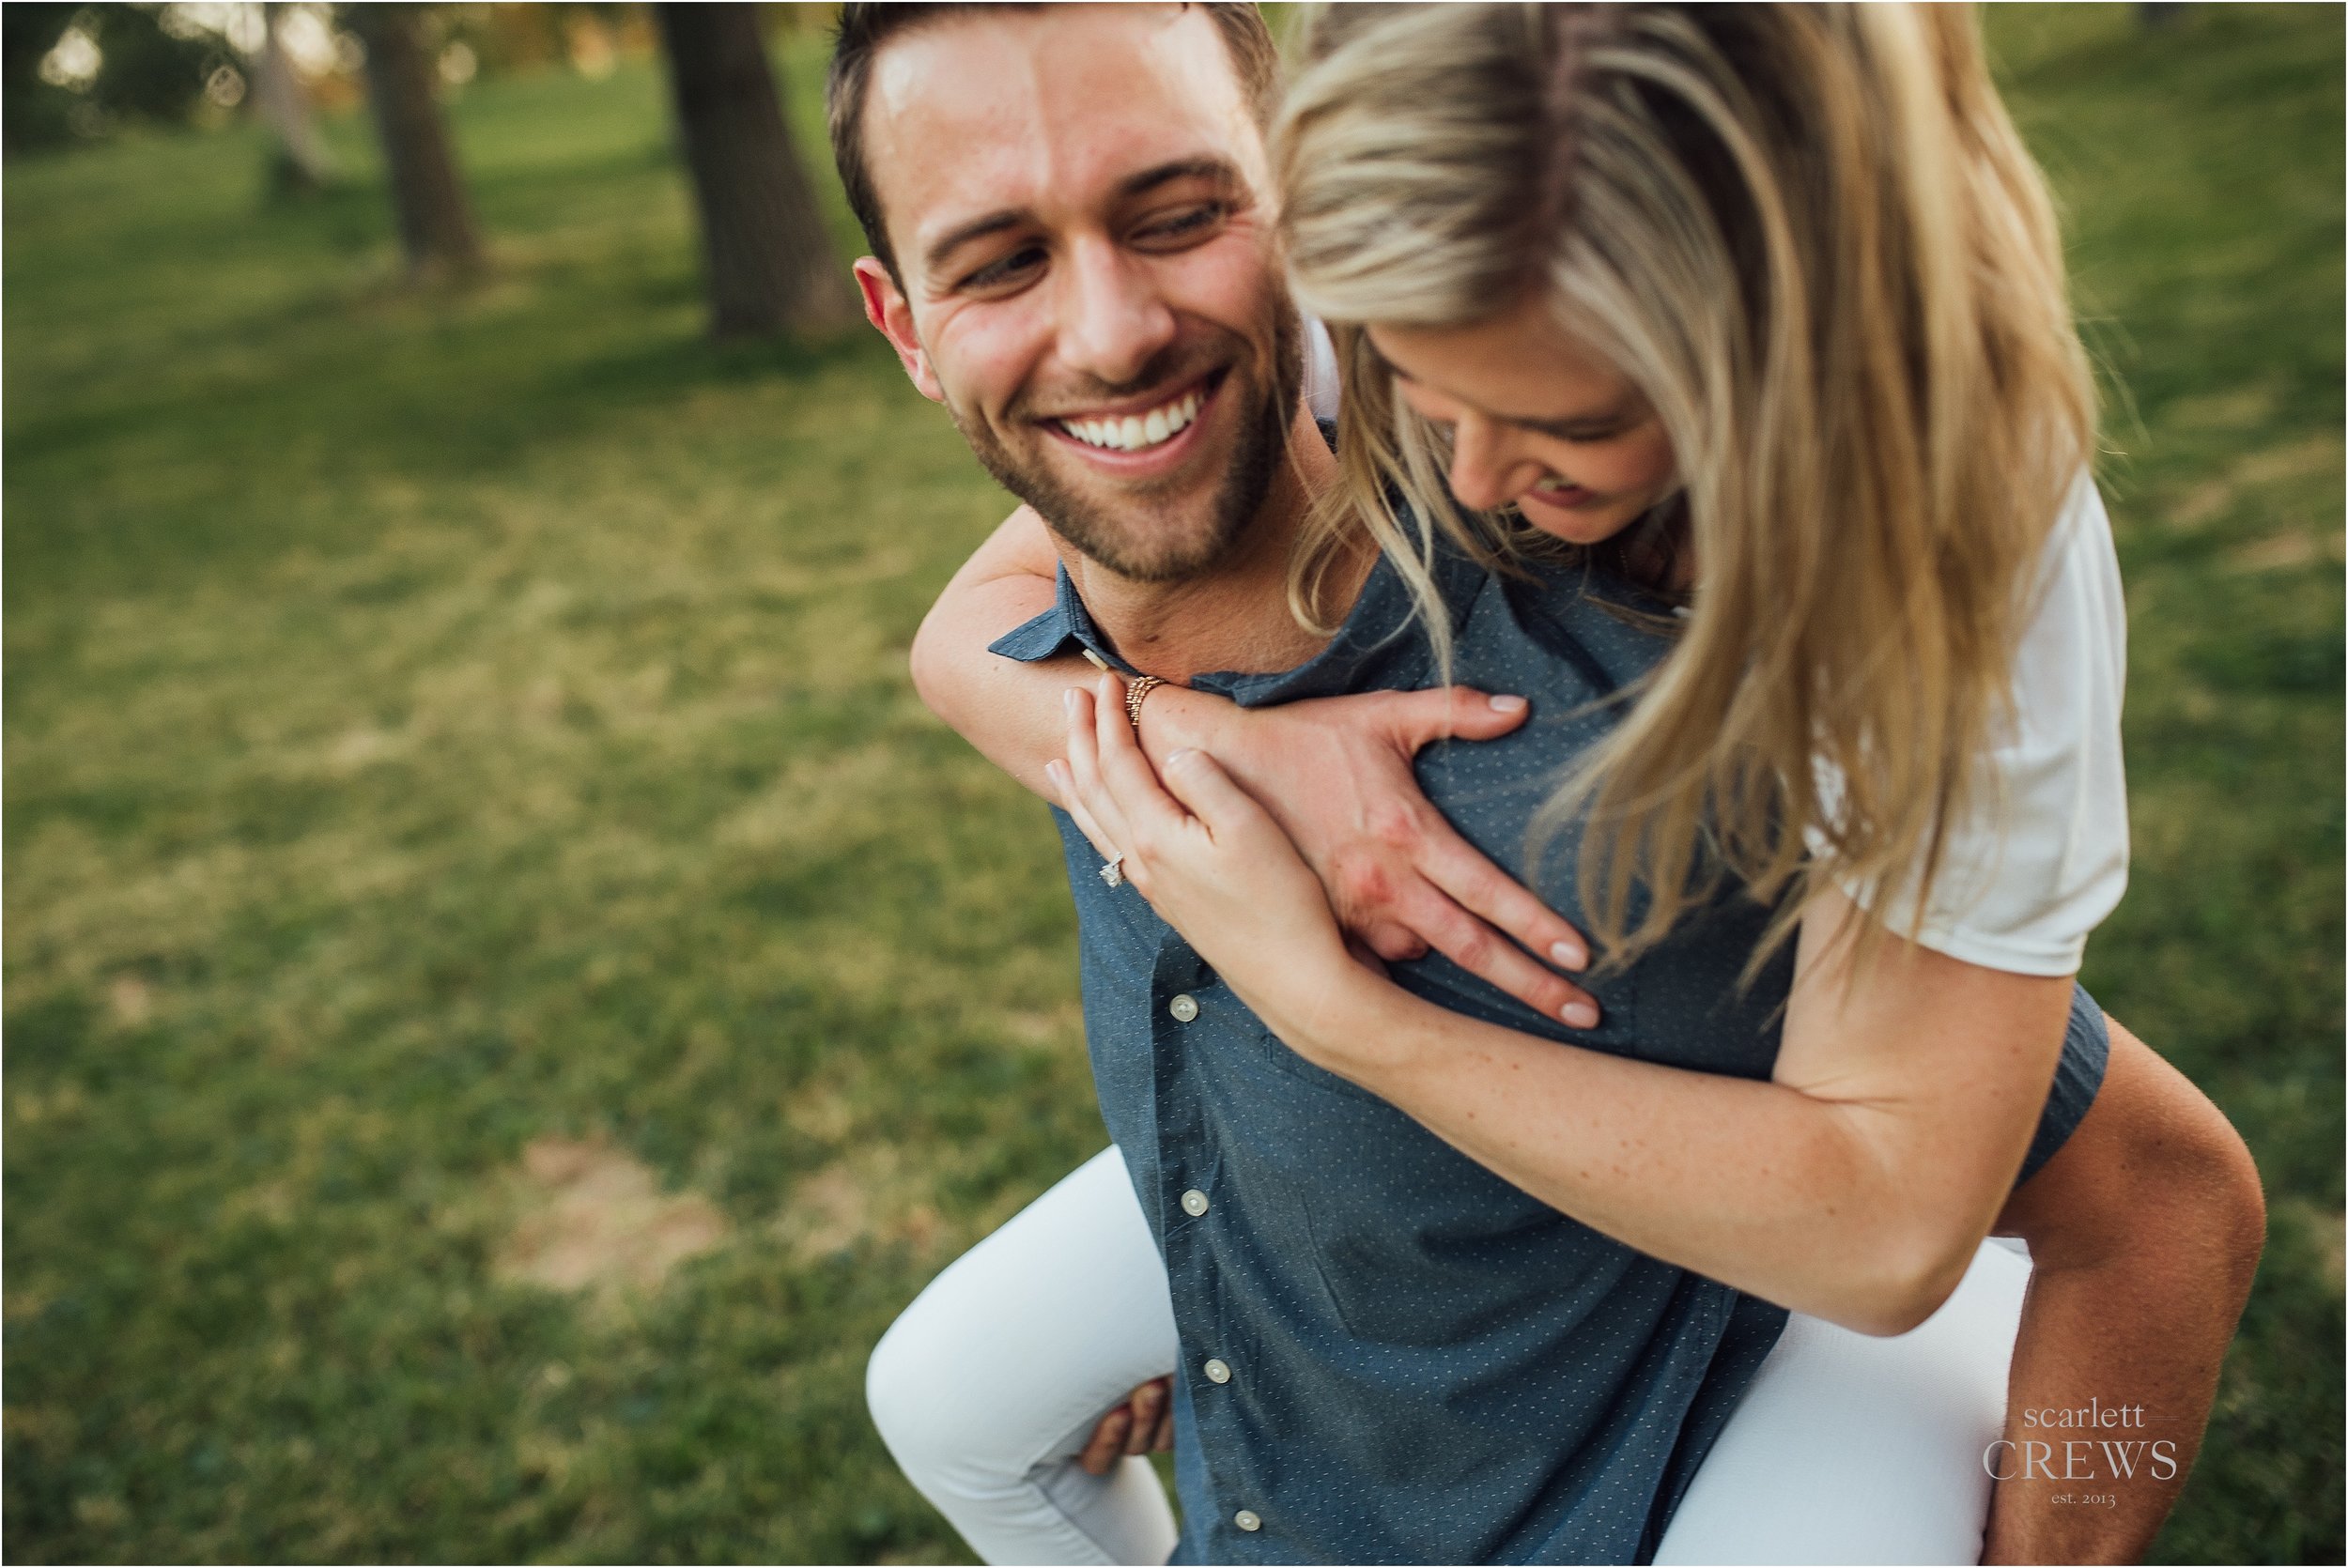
[
  {"x": 1380, "y": 1350},
  {"x": 1150, "y": 440}
]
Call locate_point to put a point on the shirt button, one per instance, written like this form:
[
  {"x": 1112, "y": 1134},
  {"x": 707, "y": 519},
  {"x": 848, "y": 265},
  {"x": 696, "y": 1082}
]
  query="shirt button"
[
  {"x": 1184, "y": 1007},
  {"x": 1193, "y": 1202},
  {"x": 1218, "y": 1371},
  {"x": 1247, "y": 1519}
]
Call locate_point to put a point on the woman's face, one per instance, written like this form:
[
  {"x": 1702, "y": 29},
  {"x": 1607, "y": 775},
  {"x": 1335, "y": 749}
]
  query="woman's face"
[{"x": 1536, "y": 417}]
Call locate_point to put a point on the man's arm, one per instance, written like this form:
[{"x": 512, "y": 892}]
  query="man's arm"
[{"x": 1335, "y": 772}]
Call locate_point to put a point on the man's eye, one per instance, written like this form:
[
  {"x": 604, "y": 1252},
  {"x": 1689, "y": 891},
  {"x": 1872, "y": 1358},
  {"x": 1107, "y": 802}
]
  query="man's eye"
[
  {"x": 1189, "y": 224},
  {"x": 995, "y": 273}
]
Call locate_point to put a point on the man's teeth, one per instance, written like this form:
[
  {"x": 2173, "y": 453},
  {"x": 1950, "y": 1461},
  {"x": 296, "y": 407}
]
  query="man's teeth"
[{"x": 1136, "y": 432}]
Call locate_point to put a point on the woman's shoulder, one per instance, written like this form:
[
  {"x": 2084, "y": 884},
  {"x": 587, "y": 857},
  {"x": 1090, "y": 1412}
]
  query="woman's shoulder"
[
  {"x": 2041, "y": 854},
  {"x": 2071, "y": 662}
]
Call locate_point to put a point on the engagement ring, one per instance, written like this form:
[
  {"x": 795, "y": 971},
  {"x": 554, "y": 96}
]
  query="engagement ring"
[{"x": 1111, "y": 874}]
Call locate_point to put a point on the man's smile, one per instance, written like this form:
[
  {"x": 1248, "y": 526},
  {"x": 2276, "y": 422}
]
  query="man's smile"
[{"x": 1135, "y": 436}]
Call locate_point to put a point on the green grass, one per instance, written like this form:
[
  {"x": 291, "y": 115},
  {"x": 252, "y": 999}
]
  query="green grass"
[{"x": 436, "y": 725}]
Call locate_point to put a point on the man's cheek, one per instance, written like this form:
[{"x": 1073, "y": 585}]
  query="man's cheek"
[
  {"x": 1229, "y": 278},
  {"x": 981, "y": 356}
]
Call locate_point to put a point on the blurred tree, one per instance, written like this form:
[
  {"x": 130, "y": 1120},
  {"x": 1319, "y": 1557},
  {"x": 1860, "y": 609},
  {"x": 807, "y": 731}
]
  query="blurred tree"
[
  {"x": 436, "y": 223},
  {"x": 769, "y": 261},
  {"x": 590, "y": 36},
  {"x": 302, "y": 163},
  {"x": 73, "y": 72},
  {"x": 33, "y": 112}
]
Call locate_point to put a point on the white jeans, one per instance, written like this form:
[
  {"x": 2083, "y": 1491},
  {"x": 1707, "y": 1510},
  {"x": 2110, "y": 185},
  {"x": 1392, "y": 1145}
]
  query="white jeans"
[{"x": 1846, "y": 1449}]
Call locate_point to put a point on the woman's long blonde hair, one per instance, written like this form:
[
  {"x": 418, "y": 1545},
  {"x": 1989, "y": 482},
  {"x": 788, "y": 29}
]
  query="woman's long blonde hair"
[{"x": 1812, "y": 238}]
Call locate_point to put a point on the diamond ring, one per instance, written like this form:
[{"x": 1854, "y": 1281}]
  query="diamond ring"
[{"x": 1113, "y": 872}]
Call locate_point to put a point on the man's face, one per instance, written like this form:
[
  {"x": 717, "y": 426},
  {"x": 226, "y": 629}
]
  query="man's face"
[{"x": 1075, "y": 200}]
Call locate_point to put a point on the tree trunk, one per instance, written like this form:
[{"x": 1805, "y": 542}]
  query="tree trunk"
[
  {"x": 436, "y": 223},
  {"x": 770, "y": 265},
  {"x": 302, "y": 164}
]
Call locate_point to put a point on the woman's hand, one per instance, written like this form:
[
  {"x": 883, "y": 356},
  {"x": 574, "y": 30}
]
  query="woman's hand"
[
  {"x": 1336, "y": 774},
  {"x": 1211, "y": 861}
]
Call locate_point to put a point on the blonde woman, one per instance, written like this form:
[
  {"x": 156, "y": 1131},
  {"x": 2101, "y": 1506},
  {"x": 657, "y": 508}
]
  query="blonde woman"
[{"x": 1859, "y": 749}]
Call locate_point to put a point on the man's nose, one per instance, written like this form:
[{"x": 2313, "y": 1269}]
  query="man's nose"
[
  {"x": 1486, "y": 471},
  {"x": 1114, "y": 321}
]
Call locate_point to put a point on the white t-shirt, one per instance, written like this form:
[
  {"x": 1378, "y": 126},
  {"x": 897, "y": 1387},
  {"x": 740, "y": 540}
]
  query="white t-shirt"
[
  {"x": 2042, "y": 856},
  {"x": 1321, "y": 370}
]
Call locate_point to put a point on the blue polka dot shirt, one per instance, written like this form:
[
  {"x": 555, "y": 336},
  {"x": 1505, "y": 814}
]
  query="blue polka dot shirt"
[{"x": 1388, "y": 1353}]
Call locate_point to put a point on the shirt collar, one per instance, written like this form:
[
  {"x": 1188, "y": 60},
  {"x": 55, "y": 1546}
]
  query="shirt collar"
[{"x": 1374, "y": 636}]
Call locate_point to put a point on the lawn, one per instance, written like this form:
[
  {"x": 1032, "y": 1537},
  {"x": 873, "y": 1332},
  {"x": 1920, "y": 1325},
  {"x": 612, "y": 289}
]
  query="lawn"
[{"x": 473, "y": 844}]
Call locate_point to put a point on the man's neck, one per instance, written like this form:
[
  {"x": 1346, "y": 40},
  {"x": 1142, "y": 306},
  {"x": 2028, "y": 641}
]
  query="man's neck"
[{"x": 1235, "y": 617}]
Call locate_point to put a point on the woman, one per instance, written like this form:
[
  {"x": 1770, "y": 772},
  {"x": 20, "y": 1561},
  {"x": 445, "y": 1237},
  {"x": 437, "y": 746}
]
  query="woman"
[{"x": 1743, "y": 357}]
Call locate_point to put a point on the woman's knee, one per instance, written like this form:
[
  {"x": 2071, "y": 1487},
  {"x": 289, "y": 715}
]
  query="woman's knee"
[
  {"x": 2154, "y": 1168},
  {"x": 2194, "y": 1174},
  {"x": 914, "y": 1380},
  {"x": 1028, "y": 1337}
]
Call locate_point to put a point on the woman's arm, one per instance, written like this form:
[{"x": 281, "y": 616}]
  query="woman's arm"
[
  {"x": 1855, "y": 1186},
  {"x": 1334, "y": 773},
  {"x": 1010, "y": 709}
]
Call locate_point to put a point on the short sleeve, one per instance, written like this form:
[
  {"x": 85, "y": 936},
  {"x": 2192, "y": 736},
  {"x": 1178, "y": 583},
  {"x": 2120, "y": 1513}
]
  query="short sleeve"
[
  {"x": 1321, "y": 371},
  {"x": 2042, "y": 854}
]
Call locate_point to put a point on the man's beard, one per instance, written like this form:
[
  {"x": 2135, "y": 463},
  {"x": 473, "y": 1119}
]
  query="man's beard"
[{"x": 1130, "y": 533}]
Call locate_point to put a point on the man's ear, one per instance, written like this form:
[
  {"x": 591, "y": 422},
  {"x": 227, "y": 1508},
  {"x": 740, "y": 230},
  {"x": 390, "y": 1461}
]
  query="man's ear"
[{"x": 884, "y": 307}]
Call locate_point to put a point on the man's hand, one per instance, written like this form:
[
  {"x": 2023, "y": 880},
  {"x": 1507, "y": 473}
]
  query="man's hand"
[
  {"x": 1143, "y": 1423},
  {"x": 1334, "y": 773}
]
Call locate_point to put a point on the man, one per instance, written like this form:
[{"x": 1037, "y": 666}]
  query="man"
[{"x": 1386, "y": 1352}]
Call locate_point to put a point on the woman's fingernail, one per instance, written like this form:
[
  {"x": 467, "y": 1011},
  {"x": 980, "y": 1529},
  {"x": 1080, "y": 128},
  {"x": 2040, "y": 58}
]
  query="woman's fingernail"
[
  {"x": 1581, "y": 1015},
  {"x": 1068, "y": 701},
  {"x": 1179, "y": 759},
  {"x": 1570, "y": 954},
  {"x": 1507, "y": 703}
]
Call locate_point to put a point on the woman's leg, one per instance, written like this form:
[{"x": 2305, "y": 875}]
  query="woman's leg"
[
  {"x": 2145, "y": 1232},
  {"x": 987, "y": 1386},
  {"x": 1854, "y": 1449}
]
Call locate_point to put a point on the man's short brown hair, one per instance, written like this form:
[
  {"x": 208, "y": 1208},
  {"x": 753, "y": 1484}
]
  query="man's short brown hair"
[{"x": 865, "y": 25}]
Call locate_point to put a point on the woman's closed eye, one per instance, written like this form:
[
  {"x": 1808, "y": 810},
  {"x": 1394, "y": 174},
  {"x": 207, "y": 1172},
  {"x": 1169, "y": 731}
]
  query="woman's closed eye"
[
  {"x": 1579, "y": 432},
  {"x": 1592, "y": 429}
]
